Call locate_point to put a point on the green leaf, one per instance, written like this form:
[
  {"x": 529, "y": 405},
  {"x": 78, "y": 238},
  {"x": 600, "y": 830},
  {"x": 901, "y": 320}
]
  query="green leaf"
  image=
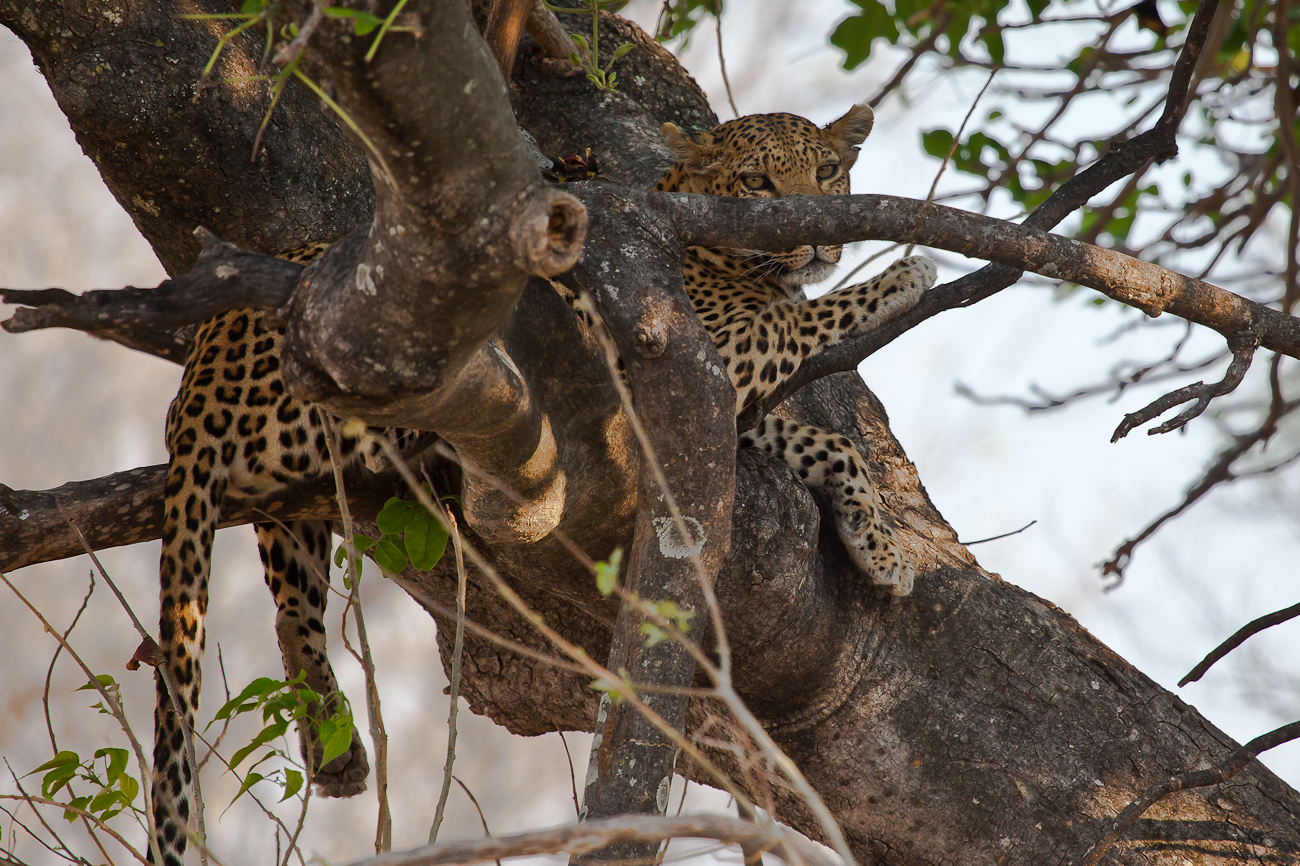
[
  {"x": 607, "y": 572},
  {"x": 396, "y": 514},
  {"x": 360, "y": 542},
  {"x": 654, "y": 634},
  {"x": 249, "y": 781},
  {"x": 252, "y": 7},
  {"x": 937, "y": 142},
  {"x": 57, "y": 777},
  {"x": 855, "y": 34},
  {"x": 130, "y": 788},
  {"x": 292, "y": 784},
  {"x": 59, "y": 760},
  {"x": 338, "y": 741},
  {"x": 426, "y": 540},
  {"x": 105, "y": 680},
  {"x": 104, "y": 800},
  {"x": 75, "y": 803},
  {"x": 244, "y": 702},
  {"x": 117, "y": 761},
  {"x": 622, "y": 49},
  {"x": 389, "y": 556},
  {"x": 362, "y": 22},
  {"x": 993, "y": 41},
  {"x": 270, "y": 732},
  {"x": 581, "y": 41}
]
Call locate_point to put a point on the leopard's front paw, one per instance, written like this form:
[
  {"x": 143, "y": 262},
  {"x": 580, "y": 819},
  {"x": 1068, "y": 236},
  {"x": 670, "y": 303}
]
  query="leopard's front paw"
[
  {"x": 874, "y": 551},
  {"x": 913, "y": 276},
  {"x": 345, "y": 776}
]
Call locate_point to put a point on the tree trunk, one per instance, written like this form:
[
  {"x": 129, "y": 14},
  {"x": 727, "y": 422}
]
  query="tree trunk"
[{"x": 971, "y": 722}]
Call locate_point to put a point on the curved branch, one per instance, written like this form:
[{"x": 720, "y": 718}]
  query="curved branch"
[
  {"x": 1255, "y": 626},
  {"x": 1243, "y": 345}
]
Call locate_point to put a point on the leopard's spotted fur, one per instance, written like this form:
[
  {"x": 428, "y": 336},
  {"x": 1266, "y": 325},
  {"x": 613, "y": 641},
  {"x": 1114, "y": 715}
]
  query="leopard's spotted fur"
[
  {"x": 764, "y": 328},
  {"x": 232, "y": 428}
]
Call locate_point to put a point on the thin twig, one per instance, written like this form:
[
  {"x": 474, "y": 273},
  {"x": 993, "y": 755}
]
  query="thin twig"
[
  {"x": 1003, "y": 535},
  {"x": 85, "y": 815},
  {"x": 45, "y": 704},
  {"x": 573, "y": 776},
  {"x": 378, "y": 736},
  {"x": 588, "y": 836},
  {"x": 454, "y": 686},
  {"x": 1239, "y": 637},
  {"x": 482, "y": 820},
  {"x": 605, "y": 677},
  {"x": 173, "y": 692},
  {"x": 114, "y": 707},
  {"x": 1221, "y": 471},
  {"x": 956, "y": 142},
  {"x": 722, "y": 60}
]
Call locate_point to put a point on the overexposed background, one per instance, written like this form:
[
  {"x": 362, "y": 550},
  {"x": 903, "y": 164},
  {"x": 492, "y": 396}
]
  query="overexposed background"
[{"x": 74, "y": 408}]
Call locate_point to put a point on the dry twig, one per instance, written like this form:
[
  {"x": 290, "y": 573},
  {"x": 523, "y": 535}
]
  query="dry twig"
[
  {"x": 1239, "y": 637},
  {"x": 1243, "y": 345}
]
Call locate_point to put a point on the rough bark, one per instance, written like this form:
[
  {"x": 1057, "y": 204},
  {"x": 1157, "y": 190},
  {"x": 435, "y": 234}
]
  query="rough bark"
[{"x": 971, "y": 722}]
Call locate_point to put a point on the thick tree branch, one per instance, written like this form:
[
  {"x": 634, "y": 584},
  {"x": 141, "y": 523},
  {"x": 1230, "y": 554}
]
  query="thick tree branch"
[
  {"x": 458, "y": 194},
  {"x": 127, "y": 84},
  {"x": 684, "y": 422},
  {"x": 781, "y": 224},
  {"x": 225, "y": 277},
  {"x": 127, "y": 508}
]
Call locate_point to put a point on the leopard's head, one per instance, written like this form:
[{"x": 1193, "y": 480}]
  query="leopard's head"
[{"x": 769, "y": 156}]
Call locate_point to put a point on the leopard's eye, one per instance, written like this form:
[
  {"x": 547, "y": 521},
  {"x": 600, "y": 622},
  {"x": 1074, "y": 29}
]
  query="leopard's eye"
[
  {"x": 828, "y": 171},
  {"x": 756, "y": 181}
]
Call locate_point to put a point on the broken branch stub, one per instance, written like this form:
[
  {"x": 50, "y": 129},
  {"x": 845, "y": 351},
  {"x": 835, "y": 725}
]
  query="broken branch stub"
[{"x": 549, "y": 232}]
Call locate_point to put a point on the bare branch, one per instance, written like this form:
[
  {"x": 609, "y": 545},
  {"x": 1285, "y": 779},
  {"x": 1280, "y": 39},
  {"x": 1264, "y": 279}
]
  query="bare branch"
[
  {"x": 1253, "y": 627},
  {"x": 225, "y": 277},
  {"x": 1220, "y": 472},
  {"x": 1123, "y": 158},
  {"x": 593, "y": 835},
  {"x": 1243, "y": 345},
  {"x": 126, "y": 507}
]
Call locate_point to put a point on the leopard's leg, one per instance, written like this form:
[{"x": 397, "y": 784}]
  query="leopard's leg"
[
  {"x": 830, "y": 462},
  {"x": 195, "y": 487},
  {"x": 764, "y": 347},
  {"x": 296, "y": 559}
]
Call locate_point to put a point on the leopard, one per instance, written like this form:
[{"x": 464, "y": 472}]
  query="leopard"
[
  {"x": 753, "y": 305},
  {"x": 234, "y": 430}
]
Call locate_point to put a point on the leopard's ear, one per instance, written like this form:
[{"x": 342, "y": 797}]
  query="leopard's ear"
[
  {"x": 849, "y": 131},
  {"x": 695, "y": 156}
]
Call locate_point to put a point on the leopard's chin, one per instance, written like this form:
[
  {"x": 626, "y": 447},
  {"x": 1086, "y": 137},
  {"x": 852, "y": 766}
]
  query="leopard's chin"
[{"x": 816, "y": 270}]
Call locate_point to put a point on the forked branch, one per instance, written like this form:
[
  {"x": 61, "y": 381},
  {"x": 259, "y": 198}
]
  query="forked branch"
[{"x": 1243, "y": 345}]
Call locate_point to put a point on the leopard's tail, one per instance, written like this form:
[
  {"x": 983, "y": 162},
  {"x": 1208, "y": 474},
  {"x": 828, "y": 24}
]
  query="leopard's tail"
[{"x": 196, "y": 484}]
